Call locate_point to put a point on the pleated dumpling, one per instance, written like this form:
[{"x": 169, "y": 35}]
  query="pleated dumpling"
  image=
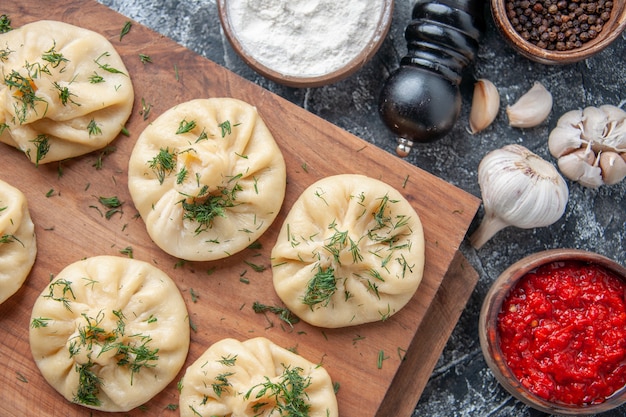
[
  {"x": 255, "y": 378},
  {"x": 110, "y": 333},
  {"x": 350, "y": 251},
  {"x": 65, "y": 91},
  {"x": 207, "y": 178},
  {"x": 18, "y": 246}
]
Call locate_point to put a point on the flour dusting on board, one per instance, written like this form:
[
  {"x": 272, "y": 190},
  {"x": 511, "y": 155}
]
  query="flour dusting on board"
[{"x": 304, "y": 38}]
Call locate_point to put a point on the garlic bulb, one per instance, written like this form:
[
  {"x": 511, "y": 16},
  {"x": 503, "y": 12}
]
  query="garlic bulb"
[
  {"x": 485, "y": 105},
  {"x": 519, "y": 189},
  {"x": 590, "y": 145},
  {"x": 532, "y": 108}
]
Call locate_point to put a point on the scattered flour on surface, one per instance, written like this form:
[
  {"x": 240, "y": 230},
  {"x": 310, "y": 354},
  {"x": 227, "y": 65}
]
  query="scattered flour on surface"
[{"x": 304, "y": 38}]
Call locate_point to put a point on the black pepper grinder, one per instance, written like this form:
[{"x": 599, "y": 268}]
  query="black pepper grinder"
[{"x": 421, "y": 101}]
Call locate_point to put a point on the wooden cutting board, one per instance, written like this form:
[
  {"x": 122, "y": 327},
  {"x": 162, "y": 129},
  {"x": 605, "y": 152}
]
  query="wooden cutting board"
[{"x": 70, "y": 226}]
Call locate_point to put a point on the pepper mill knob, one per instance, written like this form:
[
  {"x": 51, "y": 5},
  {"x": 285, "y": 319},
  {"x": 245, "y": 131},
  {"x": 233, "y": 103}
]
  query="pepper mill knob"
[{"x": 421, "y": 101}]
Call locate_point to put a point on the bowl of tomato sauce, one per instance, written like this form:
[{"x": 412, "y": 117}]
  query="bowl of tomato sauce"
[{"x": 552, "y": 330}]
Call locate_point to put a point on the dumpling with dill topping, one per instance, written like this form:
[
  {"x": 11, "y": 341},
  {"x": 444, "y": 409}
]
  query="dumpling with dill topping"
[
  {"x": 65, "y": 91},
  {"x": 350, "y": 251},
  {"x": 207, "y": 177},
  {"x": 255, "y": 377},
  {"x": 18, "y": 245},
  {"x": 109, "y": 333}
]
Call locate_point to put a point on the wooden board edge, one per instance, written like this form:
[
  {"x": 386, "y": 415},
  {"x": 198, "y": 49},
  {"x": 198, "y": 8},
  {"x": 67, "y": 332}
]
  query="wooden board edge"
[{"x": 430, "y": 339}]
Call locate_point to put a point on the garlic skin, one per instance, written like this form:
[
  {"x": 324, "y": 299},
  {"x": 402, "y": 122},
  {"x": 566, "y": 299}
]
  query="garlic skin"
[
  {"x": 532, "y": 108},
  {"x": 518, "y": 189},
  {"x": 485, "y": 105},
  {"x": 590, "y": 145}
]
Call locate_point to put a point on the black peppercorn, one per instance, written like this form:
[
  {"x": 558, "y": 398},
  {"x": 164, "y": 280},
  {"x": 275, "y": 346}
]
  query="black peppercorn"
[{"x": 558, "y": 24}]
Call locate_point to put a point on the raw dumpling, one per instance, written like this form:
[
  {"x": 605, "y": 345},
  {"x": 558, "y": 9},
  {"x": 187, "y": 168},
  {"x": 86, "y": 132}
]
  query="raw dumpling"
[
  {"x": 65, "y": 91},
  {"x": 207, "y": 178},
  {"x": 255, "y": 378},
  {"x": 350, "y": 251},
  {"x": 18, "y": 246},
  {"x": 109, "y": 333}
]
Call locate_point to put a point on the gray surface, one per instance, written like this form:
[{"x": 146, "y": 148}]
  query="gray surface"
[{"x": 461, "y": 384}]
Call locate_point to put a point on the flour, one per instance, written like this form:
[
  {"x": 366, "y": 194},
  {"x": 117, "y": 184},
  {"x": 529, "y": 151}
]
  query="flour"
[{"x": 304, "y": 38}]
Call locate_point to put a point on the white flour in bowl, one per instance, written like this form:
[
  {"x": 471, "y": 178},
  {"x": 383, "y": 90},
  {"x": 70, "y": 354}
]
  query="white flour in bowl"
[{"x": 304, "y": 38}]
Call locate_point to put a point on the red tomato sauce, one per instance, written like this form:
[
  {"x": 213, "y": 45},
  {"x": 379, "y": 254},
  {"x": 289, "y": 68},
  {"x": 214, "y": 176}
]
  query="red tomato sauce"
[{"x": 562, "y": 332}]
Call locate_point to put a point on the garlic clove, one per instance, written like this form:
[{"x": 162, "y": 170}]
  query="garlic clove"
[
  {"x": 580, "y": 166},
  {"x": 615, "y": 132},
  {"x": 532, "y": 108},
  {"x": 614, "y": 112},
  {"x": 571, "y": 118},
  {"x": 565, "y": 137},
  {"x": 519, "y": 189},
  {"x": 485, "y": 105},
  {"x": 563, "y": 140},
  {"x": 590, "y": 145},
  {"x": 613, "y": 167},
  {"x": 594, "y": 123}
]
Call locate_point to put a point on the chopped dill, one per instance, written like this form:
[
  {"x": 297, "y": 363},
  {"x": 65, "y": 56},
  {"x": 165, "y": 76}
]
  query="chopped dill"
[
  {"x": 53, "y": 57},
  {"x": 145, "y": 59},
  {"x": 65, "y": 95},
  {"x": 163, "y": 164},
  {"x": 128, "y": 251},
  {"x": 125, "y": 29},
  {"x": 112, "y": 204},
  {"x": 205, "y": 206},
  {"x": 185, "y": 127},
  {"x": 228, "y": 360},
  {"x": 321, "y": 287},
  {"x": 255, "y": 267},
  {"x": 283, "y": 313},
  {"x": 38, "y": 322},
  {"x": 5, "y": 24},
  {"x": 88, "y": 385},
  {"x": 42, "y": 147},
  {"x": 225, "y": 127},
  {"x": 93, "y": 128},
  {"x": 221, "y": 383},
  {"x": 381, "y": 358},
  {"x": 25, "y": 92},
  {"x": 287, "y": 395},
  {"x": 145, "y": 109},
  {"x": 95, "y": 78},
  {"x": 107, "y": 67},
  {"x": 10, "y": 239},
  {"x": 65, "y": 289}
]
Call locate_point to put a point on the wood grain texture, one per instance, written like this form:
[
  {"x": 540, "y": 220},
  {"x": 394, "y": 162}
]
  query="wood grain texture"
[
  {"x": 70, "y": 226},
  {"x": 430, "y": 339}
]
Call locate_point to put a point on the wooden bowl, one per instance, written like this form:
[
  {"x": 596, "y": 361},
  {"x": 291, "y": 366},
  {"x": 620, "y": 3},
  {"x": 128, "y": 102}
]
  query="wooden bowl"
[
  {"x": 304, "y": 81},
  {"x": 611, "y": 31},
  {"x": 489, "y": 335}
]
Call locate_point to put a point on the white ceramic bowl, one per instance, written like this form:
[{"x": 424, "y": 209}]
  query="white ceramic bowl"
[{"x": 251, "y": 56}]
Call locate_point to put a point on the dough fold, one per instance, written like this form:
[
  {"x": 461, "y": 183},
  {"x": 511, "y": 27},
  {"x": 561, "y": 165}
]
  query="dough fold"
[
  {"x": 207, "y": 178},
  {"x": 253, "y": 378},
  {"x": 110, "y": 333},
  {"x": 65, "y": 91},
  {"x": 18, "y": 243},
  {"x": 350, "y": 251}
]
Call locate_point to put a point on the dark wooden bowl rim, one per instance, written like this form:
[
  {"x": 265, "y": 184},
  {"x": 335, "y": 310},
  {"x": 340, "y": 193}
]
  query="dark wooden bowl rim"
[{"x": 489, "y": 339}]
